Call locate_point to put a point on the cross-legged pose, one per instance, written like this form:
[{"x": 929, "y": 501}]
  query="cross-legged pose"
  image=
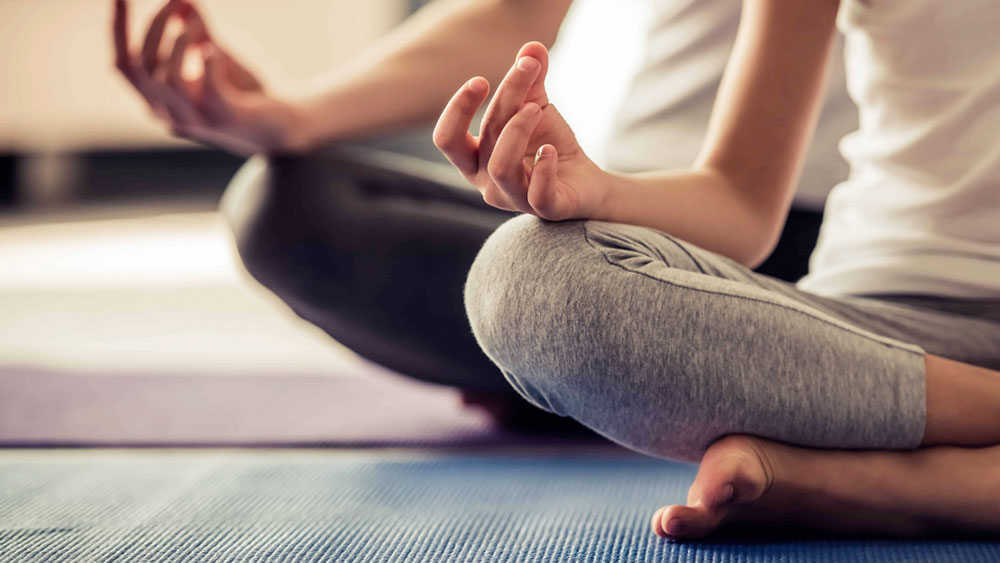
[
  {"x": 376, "y": 252},
  {"x": 626, "y": 301}
]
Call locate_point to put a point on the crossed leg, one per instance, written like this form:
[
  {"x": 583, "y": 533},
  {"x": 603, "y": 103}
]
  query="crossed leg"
[
  {"x": 939, "y": 488},
  {"x": 747, "y": 480},
  {"x": 678, "y": 353},
  {"x": 933, "y": 489}
]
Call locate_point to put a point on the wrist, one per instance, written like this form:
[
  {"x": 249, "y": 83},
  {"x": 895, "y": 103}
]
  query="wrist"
[
  {"x": 608, "y": 197},
  {"x": 297, "y": 133}
]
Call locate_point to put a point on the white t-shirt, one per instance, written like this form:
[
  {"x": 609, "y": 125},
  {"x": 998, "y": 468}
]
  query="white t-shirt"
[
  {"x": 920, "y": 212},
  {"x": 665, "y": 113}
]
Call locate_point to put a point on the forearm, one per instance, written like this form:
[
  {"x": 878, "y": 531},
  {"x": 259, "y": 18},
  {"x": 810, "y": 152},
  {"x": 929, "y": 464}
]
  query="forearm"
[
  {"x": 735, "y": 198},
  {"x": 408, "y": 76},
  {"x": 700, "y": 206}
]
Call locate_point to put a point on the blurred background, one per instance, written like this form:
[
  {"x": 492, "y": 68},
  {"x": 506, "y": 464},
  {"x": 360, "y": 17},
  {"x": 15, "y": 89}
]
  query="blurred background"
[{"x": 115, "y": 268}]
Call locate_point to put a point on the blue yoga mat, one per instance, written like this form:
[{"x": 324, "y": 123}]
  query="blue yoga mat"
[{"x": 378, "y": 506}]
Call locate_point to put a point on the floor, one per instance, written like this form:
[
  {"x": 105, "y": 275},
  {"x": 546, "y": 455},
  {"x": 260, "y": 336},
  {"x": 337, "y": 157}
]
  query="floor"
[
  {"x": 458, "y": 505},
  {"x": 140, "y": 317}
]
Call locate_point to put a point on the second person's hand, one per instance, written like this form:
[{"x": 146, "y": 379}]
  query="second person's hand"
[
  {"x": 225, "y": 105},
  {"x": 526, "y": 157}
]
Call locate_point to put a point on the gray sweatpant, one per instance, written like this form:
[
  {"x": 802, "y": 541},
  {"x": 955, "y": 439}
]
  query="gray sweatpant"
[{"x": 665, "y": 347}]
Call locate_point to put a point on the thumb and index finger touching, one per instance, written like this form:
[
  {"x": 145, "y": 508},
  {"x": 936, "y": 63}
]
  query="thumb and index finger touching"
[
  {"x": 451, "y": 134},
  {"x": 196, "y": 31}
]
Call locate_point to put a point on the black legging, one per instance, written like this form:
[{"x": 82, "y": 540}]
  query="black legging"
[{"x": 375, "y": 250}]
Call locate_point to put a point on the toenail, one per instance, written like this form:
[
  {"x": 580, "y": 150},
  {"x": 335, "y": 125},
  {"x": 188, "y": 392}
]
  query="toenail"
[{"x": 675, "y": 527}]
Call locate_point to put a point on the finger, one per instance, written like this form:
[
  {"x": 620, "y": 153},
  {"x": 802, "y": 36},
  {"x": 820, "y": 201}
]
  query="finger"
[
  {"x": 537, "y": 51},
  {"x": 451, "y": 134},
  {"x": 177, "y": 108},
  {"x": 175, "y": 91},
  {"x": 218, "y": 95},
  {"x": 193, "y": 18},
  {"x": 510, "y": 97},
  {"x": 216, "y": 87},
  {"x": 495, "y": 197},
  {"x": 175, "y": 66},
  {"x": 193, "y": 24},
  {"x": 151, "y": 46},
  {"x": 506, "y": 165},
  {"x": 505, "y": 103},
  {"x": 237, "y": 73},
  {"x": 169, "y": 92},
  {"x": 123, "y": 60},
  {"x": 545, "y": 196}
]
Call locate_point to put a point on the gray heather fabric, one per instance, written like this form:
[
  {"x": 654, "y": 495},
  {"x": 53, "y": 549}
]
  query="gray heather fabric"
[{"x": 664, "y": 347}]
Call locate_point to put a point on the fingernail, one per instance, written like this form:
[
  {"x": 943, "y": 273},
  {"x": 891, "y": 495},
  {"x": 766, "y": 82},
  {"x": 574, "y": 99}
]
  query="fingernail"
[
  {"x": 545, "y": 150},
  {"x": 530, "y": 109},
  {"x": 476, "y": 85},
  {"x": 675, "y": 527},
  {"x": 527, "y": 63}
]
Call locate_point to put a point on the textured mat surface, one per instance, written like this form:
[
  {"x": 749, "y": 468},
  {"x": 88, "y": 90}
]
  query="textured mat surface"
[{"x": 376, "y": 507}]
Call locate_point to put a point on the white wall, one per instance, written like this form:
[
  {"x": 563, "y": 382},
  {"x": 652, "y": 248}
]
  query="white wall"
[
  {"x": 59, "y": 90},
  {"x": 599, "y": 47}
]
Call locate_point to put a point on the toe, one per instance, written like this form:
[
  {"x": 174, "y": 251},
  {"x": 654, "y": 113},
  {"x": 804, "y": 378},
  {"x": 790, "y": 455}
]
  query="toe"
[
  {"x": 734, "y": 473},
  {"x": 730, "y": 473},
  {"x": 715, "y": 485},
  {"x": 657, "y": 523},
  {"x": 690, "y": 522}
]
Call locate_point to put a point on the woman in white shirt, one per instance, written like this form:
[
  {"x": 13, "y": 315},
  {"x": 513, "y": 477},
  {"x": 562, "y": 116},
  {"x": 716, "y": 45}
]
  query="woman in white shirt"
[{"x": 626, "y": 302}]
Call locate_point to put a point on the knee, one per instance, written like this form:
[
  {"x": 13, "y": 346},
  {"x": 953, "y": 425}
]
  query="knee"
[
  {"x": 524, "y": 296},
  {"x": 569, "y": 327},
  {"x": 260, "y": 204},
  {"x": 246, "y": 205}
]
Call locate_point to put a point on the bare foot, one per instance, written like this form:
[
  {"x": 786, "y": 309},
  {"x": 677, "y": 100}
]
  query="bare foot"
[{"x": 747, "y": 480}]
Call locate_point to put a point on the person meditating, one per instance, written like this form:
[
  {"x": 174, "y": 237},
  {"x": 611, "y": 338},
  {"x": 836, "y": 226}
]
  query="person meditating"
[{"x": 863, "y": 398}]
